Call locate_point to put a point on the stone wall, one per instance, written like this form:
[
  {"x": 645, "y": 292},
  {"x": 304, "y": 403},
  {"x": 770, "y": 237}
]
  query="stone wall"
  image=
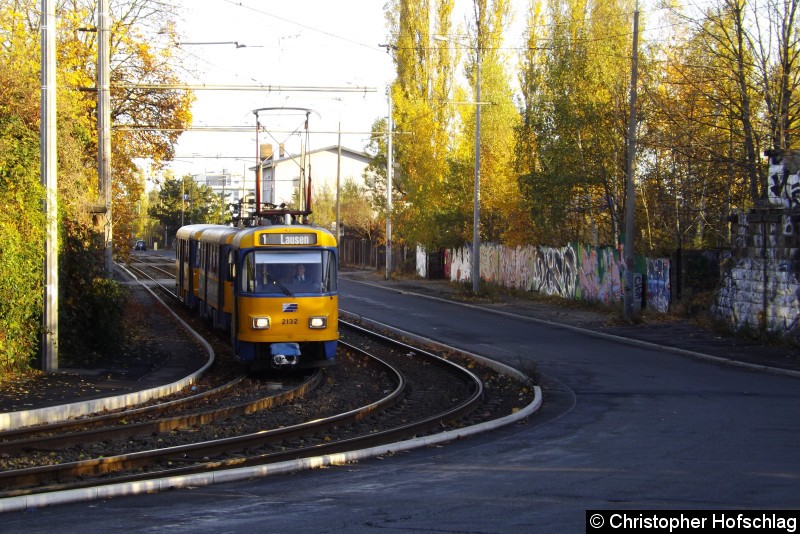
[{"x": 759, "y": 290}]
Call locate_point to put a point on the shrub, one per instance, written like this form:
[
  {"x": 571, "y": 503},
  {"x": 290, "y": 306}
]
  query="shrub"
[
  {"x": 22, "y": 252},
  {"x": 91, "y": 304}
]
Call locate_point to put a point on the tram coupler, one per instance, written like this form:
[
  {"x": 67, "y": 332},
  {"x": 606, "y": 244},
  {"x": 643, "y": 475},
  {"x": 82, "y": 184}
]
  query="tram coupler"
[{"x": 285, "y": 354}]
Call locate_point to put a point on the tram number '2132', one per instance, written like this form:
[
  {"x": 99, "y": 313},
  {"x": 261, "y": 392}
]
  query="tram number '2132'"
[
  {"x": 287, "y": 239},
  {"x": 288, "y": 321}
]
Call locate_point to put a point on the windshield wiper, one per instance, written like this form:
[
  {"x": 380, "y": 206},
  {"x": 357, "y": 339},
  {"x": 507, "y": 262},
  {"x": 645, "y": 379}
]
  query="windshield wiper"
[{"x": 280, "y": 285}]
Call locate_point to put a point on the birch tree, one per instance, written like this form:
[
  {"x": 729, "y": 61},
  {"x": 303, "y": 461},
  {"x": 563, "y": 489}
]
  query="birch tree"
[
  {"x": 576, "y": 75},
  {"x": 499, "y": 190},
  {"x": 420, "y": 116}
]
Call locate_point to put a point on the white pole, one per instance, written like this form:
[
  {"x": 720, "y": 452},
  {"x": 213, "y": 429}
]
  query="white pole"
[
  {"x": 389, "y": 165},
  {"x": 338, "y": 184},
  {"x": 49, "y": 179},
  {"x": 476, "y": 214}
]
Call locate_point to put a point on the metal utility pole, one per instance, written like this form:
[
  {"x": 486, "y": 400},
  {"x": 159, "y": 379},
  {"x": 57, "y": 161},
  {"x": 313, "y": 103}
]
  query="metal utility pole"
[
  {"x": 49, "y": 179},
  {"x": 631, "y": 192},
  {"x": 338, "y": 185},
  {"x": 104, "y": 124},
  {"x": 389, "y": 164},
  {"x": 183, "y": 198},
  {"x": 476, "y": 214},
  {"x": 476, "y": 201}
]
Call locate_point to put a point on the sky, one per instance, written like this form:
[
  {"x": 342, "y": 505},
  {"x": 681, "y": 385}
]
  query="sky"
[
  {"x": 291, "y": 43},
  {"x": 295, "y": 43}
]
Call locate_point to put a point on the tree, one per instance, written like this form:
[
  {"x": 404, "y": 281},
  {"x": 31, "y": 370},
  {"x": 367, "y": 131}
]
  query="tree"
[
  {"x": 715, "y": 91},
  {"x": 776, "y": 51},
  {"x": 723, "y": 46},
  {"x": 357, "y": 214},
  {"x": 324, "y": 207},
  {"x": 21, "y": 219},
  {"x": 574, "y": 105},
  {"x": 499, "y": 120},
  {"x": 182, "y": 201},
  {"x": 424, "y": 77},
  {"x": 527, "y": 154},
  {"x": 711, "y": 112},
  {"x": 142, "y": 35},
  {"x": 686, "y": 193}
]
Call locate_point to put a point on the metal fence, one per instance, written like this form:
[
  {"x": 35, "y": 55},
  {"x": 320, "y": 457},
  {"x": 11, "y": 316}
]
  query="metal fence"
[{"x": 359, "y": 253}]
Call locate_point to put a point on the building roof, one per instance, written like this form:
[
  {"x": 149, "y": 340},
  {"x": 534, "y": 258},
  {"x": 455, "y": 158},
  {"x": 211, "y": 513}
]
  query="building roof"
[{"x": 346, "y": 152}]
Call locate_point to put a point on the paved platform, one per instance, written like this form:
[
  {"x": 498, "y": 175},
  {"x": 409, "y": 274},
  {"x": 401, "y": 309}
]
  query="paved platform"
[{"x": 157, "y": 357}]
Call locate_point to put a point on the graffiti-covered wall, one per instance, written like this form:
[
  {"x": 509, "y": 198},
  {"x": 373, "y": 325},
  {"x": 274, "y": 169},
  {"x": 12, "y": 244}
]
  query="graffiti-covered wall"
[
  {"x": 759, "y": 289},
  {"x": 576, "y": 271},
  {"x": 784, "y": 180},
  {"x": 658, "y": 285}
]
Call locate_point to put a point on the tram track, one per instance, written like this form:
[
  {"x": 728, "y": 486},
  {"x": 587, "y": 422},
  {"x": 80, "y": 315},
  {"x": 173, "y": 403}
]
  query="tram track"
[
  {"x": 146, "y": 420},
  {"x": 395, "y": 415},
  {"x": 353, "y": 406}
]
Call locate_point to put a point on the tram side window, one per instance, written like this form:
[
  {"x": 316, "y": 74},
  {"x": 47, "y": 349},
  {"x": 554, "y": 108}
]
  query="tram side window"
[
  {"x": 328, "y": 271},
  {"x": 249, "y": 275}
]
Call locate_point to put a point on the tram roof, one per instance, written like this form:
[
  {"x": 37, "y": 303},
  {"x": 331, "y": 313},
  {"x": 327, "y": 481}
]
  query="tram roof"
[
  {"x": 218, "y": 234},
  {"x": 248, "y": 237},
  {"x": 192, "y": 230}
]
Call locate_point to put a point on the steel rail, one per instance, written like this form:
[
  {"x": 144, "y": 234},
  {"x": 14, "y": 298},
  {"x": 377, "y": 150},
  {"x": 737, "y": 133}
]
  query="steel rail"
[
  {"x": 127, "y": 431},
  {"x": 82, "y": 473},
  {"x": 413, "y": 429},
  {"x": 215, "y": 455},
  {"x": 10, "y": 439}
]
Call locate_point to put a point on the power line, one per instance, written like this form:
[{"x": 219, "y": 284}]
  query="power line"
[
  {"x": 238, "y": 87},
  {"x": 235, "y": 129}
]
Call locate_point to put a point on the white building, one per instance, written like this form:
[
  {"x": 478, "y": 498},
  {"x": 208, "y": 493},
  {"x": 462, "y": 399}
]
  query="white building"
[
  {"x": 231, "y": 185},
  {"x": 280, "y": 177}
]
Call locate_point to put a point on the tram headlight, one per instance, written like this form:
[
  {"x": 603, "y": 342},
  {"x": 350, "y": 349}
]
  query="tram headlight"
[
  {"x": 260, "y": 323},
  {"x": 318, "y": 323}
]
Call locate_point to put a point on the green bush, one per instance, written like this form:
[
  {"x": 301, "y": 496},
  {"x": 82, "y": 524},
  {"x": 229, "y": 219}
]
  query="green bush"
[
  {"x": 21, "y": 296},
  {"x": 91, "y": 305},
  {"x": 22, "y": 251}
]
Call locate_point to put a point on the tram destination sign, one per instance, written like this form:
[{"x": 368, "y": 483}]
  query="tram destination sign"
[{"x": 287, "y": 239}]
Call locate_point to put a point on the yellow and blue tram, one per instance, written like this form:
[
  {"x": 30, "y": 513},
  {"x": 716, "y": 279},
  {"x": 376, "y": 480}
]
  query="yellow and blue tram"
[{"x": 274, "y": 288}]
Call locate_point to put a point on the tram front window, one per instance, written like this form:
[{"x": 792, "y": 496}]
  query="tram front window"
[{"x": 289, "y": 272}]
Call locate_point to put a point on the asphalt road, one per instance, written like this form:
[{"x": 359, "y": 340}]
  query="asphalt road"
[{"x": 621, "y": 427}]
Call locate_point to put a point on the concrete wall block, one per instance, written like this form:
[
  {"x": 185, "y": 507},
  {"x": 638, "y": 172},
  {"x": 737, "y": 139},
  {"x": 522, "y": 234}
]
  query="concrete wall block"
[
  {"x": 787, "y": 225},
  {"x": 775, "y": 325},
  {"x": 763, "y": 282},
  {"x": 754, "y": 297}
]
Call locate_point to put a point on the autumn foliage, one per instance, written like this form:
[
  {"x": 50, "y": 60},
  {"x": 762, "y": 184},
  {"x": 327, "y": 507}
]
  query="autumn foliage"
[{"x": 90, "y": 299}]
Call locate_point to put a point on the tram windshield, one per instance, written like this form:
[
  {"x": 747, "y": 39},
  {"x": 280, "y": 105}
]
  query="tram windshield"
[{"x": 289, "y": 272}]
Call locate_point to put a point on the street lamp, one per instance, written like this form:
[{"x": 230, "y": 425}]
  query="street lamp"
[{"x": 476, "y": 209}]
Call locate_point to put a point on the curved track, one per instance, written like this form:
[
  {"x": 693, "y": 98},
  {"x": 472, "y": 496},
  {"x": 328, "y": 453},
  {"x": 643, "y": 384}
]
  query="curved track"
[
  {"x": 265, "y": 445},
  {"x": 430, "y": 395}
]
